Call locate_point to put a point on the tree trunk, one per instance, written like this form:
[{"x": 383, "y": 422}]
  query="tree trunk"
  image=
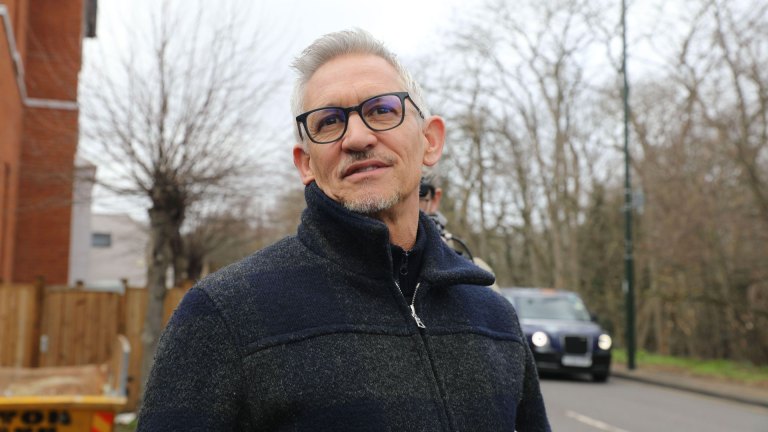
[
  {"x": 159, "y": 262},
  {"x": 195, "y": 264}
]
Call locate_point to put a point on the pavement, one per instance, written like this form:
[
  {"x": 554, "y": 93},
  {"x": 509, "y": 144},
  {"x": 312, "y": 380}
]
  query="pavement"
[{"x": 754, "y": 395}]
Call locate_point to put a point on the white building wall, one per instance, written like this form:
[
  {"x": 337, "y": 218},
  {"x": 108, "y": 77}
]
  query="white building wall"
[
  {"x": 80, "y": 228},
  {"x": 125, "y": 255}
]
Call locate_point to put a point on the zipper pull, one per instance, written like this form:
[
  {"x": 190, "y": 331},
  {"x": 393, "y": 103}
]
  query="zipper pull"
[{"x": 416, "y": 317}]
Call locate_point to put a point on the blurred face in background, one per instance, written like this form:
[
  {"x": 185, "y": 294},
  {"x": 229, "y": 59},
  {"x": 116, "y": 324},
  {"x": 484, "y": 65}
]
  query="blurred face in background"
[{"x": 429, "y": 198}]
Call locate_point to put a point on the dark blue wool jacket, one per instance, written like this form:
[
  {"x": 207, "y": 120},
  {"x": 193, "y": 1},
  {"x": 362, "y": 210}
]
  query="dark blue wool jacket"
[{"x": 312, "y": 334}]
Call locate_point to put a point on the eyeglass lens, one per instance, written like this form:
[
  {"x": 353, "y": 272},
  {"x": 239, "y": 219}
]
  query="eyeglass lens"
[{"x": 379, "y": 113}]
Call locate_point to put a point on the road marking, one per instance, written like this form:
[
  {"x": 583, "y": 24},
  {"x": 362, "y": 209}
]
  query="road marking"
[{"x": 594, "y": 423}]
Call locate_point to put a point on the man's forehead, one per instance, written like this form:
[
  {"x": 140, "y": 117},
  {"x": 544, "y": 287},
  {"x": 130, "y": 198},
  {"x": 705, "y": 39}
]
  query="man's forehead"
[{"x": 349, "y": 79}]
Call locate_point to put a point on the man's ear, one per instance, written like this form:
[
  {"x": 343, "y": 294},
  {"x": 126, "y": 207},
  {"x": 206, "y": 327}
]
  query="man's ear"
[
  {"x": 301, "y": 162},
  {"x": 434, "y": 132}
]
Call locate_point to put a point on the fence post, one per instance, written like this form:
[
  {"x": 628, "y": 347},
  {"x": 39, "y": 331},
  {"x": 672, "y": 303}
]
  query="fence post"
[
  {"x": 122, "y": 315},
  {"x": 37, "y": 321}
]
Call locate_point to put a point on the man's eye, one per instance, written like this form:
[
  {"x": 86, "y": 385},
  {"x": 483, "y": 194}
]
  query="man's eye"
[
  {"x": 381, "y": 109},
  {"x": 328, "y": 121}
]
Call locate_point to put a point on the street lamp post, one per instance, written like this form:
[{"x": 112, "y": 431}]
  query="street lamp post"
[{"x": 628, "y": 285}]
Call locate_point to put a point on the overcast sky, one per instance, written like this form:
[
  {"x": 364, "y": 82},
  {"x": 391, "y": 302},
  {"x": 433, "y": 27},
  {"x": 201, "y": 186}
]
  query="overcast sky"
[{"x": 410, "y": 28}]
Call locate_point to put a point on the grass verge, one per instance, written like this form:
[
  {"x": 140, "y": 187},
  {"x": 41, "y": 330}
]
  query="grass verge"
[
  {"x": 126, "y": 427},
  {"x": 723, "y": 369}
]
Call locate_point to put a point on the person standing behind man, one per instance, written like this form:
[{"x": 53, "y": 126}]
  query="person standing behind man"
[
  {"x": 364, "y": 320},
  {"x": 430, "y": 197}
]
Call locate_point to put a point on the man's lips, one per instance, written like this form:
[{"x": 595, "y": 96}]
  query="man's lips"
[{"x": 362, "y": 167}]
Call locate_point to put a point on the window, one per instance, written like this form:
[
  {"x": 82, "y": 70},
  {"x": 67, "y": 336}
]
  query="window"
[
  {"x": 101, "y": 240},
  {"x": 558, "y": 307}
]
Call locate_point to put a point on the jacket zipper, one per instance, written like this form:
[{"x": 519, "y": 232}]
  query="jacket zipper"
[
  {"x": 430, "y": 363},
  {"x": 420, "y": 324},
  {"x": 416, "y": 318}
]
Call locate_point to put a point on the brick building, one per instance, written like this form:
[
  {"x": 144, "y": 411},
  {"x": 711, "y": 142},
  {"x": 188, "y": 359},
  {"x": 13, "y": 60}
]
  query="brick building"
[{"x": 40, "y": 58}]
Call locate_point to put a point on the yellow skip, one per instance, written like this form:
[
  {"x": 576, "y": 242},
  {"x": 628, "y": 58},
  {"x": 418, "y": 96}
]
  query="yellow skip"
[{"x": 102, "y": 422}]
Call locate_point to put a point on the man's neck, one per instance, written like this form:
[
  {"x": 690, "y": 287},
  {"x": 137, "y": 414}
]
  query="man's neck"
[{"x": 403, "y": 223}]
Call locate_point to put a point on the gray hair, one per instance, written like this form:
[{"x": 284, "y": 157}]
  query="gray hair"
[{"x": 332, "y": 45}]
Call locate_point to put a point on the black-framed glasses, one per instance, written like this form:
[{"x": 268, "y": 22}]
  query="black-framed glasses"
[{"x": 379, "y": 113}]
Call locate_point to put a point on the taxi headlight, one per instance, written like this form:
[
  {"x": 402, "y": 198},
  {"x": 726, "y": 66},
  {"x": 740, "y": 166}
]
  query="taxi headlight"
[
  {"x": 540, "y": 339},
  {"x": 604, "y": 342}
]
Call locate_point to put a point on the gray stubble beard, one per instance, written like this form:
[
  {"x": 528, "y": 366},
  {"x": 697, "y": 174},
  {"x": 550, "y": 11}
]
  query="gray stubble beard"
[{"x": 371, "y": 204}]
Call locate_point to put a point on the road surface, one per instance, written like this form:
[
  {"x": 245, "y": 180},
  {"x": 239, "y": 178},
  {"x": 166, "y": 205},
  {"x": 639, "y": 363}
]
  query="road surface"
[{"x": 578, "y": 405}]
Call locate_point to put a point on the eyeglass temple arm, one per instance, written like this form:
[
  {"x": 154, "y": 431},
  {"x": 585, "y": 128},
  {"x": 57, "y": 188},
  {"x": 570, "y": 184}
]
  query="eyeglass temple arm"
[{"x": 418, "y": 110}]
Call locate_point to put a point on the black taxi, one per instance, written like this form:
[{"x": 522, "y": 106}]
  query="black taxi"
[{"x": 562, "y": 334}]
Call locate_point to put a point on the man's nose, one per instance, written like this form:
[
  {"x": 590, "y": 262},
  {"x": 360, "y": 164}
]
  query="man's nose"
[{"x": 358, "y": 136}]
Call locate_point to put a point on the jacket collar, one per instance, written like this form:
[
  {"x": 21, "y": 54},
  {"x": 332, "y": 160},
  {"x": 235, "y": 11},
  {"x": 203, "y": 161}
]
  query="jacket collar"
[{"x": 361, "y": 245}]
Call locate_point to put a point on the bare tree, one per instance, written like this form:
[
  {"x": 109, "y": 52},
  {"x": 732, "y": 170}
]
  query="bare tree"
[
  {"x": 521, "y": 142},
  {"x": 215, "y": 238},
  {"x": 740, "y": 35},
  {"x": 700, "y": 127},
  {"x": 223, "y": 234},
  {"x": 534, "y": 156},
  {"x": 175, "y": 123}
]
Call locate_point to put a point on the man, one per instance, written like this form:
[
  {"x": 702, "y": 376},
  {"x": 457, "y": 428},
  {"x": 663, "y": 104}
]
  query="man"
[
  {"x": 429, "y": 196},
  {"x": 365, "y": 320},
  {"x": 429, "y": 202}
]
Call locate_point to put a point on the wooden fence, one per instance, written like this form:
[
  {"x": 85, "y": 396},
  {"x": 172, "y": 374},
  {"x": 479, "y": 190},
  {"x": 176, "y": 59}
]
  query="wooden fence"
[
  {"x": 54, "y": 326},
  {"x": 18, "y": 305}
]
